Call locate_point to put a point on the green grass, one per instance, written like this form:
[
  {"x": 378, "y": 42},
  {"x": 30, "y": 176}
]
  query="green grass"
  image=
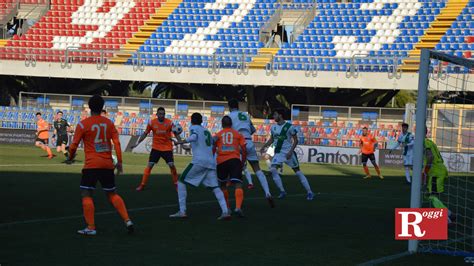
[{"x": 351, "y": 220}]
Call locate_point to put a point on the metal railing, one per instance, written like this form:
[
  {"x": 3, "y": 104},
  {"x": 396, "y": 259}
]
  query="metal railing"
[
  {"x": 393, "y": 70},
  {"x": 8, "y": 13},
  {"x": 67, "y": 57},
  {"x": 438, "y": 71},
  {"x": 44, "y": 4},
  {"x": 309, "y": 12},
  {"x": 10, "y": 6},
  {"x": 139, "y": 60},
  {"x": 351, "y": 66},
  {"x": 303, "y": 21},
  {"x": 265, "y": 30}
]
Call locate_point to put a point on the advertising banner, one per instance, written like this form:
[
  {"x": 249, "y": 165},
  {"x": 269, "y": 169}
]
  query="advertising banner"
[
  {"x": 329, "y": 155},
  {"x": 455, "y": 162},
  {"x": 17, "y": 136},
  {"x": 394, "y": 159}
]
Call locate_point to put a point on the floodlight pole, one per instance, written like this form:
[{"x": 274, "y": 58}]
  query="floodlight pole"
[{"x": 421, "y": 111}]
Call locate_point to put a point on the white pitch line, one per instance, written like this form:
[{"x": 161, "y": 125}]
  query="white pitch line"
[
  {"x": 30, "y": 164},
  {"x": 57, "y": 164},
  {"x": 130, "y": 210},
  {"x": 97, "y": 214},
  {"x": 385, "y": 259},
  {"x": 172, "y": 205}
]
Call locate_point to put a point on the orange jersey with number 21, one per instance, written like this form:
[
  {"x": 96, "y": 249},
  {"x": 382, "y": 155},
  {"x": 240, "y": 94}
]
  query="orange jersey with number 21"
[{"x": 97, "y": 134}]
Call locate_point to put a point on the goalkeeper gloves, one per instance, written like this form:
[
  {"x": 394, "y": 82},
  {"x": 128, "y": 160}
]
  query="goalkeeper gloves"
[{"x": 427, "y": 169}]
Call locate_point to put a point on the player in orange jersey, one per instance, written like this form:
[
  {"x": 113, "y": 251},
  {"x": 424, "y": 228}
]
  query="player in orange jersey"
[
  {"x": 162, "y": 146},
  {"x": 98, "y": 133},
  {"x": 368, "y": 143},
  {"x": 42, "y": 135},
  {"x": 231, "y": 152}
]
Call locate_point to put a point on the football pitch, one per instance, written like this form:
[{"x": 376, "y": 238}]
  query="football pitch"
[{"x": 350, "y": 221}]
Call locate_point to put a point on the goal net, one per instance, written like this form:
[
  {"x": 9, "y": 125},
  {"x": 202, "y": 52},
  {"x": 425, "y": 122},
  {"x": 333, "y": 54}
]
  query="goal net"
[
  {"x": 445, "y": 115},
  {"x": 445, "y": 109}
]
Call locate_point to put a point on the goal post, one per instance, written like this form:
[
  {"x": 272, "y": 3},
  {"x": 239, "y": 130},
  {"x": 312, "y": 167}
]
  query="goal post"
[{"x": 452, "y": 130}]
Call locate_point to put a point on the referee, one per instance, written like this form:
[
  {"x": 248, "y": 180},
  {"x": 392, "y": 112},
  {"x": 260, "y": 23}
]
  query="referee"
[{"x": 61, "y": 128}]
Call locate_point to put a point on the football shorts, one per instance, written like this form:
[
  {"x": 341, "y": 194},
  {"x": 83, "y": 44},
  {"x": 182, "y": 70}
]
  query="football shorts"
[
  {"x": 44, "y": 141},
  {"x": 280, "y": 158},
  {"x": 408, "y": 159},
  {"x": 62, "y": 139},
  {"x": 196, "y": 175},
  {"x": 230, "y": 170},
  {"x": 155, "y": 156},
  {"x": 251, "y": 151},
  {"x": 90, "y": 177},
  {"x": 366, "y": 157}
]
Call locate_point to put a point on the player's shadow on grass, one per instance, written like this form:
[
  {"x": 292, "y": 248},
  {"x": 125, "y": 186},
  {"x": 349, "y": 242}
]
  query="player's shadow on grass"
[
  {"x": 343, "y": 170},
  {"x": 353, "y": 171},
  {"x": 74, "y": 162},
  {"x": 126, "y": 183}
]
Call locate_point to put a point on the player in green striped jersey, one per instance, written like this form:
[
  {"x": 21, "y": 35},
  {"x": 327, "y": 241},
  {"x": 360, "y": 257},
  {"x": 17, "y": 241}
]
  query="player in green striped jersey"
[{"x": 284, "y": 137}]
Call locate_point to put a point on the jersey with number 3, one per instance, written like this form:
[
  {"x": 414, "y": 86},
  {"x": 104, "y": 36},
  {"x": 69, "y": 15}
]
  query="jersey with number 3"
[
  {"x": 97, "y": 133},
  {"x": 241, "y": 122},
  {"x": 201, "y": 145}
]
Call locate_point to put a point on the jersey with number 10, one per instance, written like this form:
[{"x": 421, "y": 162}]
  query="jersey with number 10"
[
  {"x": 97, "y": 132},
  {"x": 201, "y": 145},
  {"x": 241, "y": 122},
  {"x": 230, "y": 144}
]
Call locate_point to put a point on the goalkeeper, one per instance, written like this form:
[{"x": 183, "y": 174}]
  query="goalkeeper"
[{"x": 435, "y": 174}]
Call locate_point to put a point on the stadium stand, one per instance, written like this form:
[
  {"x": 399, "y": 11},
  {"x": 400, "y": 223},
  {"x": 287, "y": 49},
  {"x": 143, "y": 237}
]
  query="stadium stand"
[
  {"x": 373, "y": 34},
  {"x": 73, "y": 23},
  {"x": 459, "y": 39},
  {"x": 6, "y": 6},
  {"x": 198, "y": 30}
]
